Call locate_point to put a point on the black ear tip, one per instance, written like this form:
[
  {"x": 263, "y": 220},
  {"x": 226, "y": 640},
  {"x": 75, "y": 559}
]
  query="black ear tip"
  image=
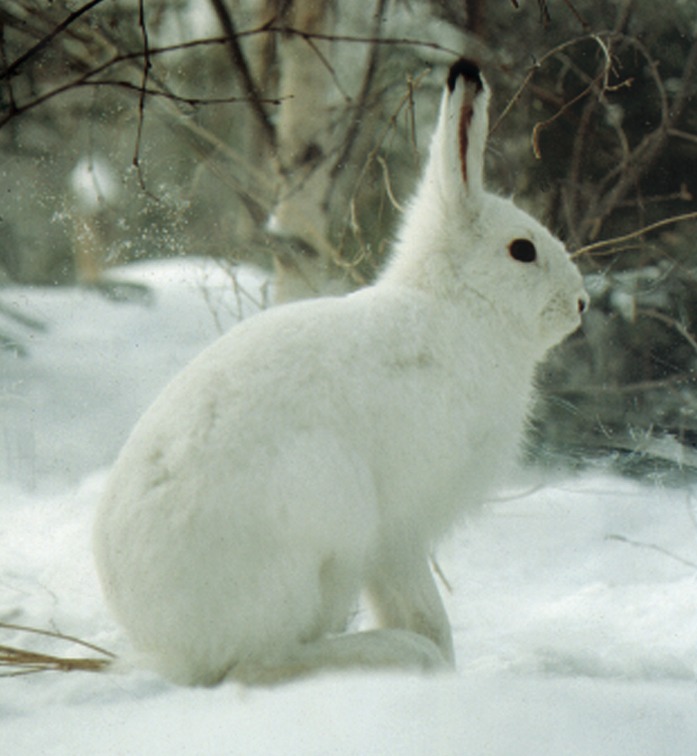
[{"x": 468, "y": 69}]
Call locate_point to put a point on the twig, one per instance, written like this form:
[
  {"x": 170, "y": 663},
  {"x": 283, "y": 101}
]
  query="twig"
[
  {"x": 361, "y": 103},
  {"x": 678, "y": 134},
  {"x": 154, "y": 52},
  {"x": 534, "y": 68},
  {"x": 14, "y": 67},
  {"x": 591, "y": 248},
  {"x": 652, "y": 547},
  {"x": 355, "y": 39},
  {"x": 380, "y": 138},
  {"x": 59, "y": 636},
  {"x": 672, "y": 323},
  {"x": 3, "y": 60},
  {"x": 143, "y": 89},
  {"x": 327, "y": 65},
  {"x": 239, "y": 62},
  {"x": 19, "y": 317},
  {"x": 597, "y": 389},
  {"x": 191, "y": 101},
  {"x": 618, "y": 181},
  {"x": 545, "y": 17},
  {"x": 577, "y": 15},
  {"x": 411, "y": 111},
  {"x": 685, "y": 92},
  {"x": 388, "y": 184},
  {"x": 439, "y": 571},
  {"x": 28, "y": 662},
  {"x": 25, "y": 662},
  {"x": 601, "y": 81}
]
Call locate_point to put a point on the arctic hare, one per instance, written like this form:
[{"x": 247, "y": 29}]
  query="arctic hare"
[{"x": 321, "y": 448}]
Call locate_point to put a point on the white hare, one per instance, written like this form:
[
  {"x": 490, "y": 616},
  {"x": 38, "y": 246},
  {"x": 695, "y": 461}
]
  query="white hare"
[{"x": 320, "y": 449}]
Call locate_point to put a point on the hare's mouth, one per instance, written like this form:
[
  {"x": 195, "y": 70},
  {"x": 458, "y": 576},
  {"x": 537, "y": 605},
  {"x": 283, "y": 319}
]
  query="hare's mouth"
[{"x": 562, "y": 317}]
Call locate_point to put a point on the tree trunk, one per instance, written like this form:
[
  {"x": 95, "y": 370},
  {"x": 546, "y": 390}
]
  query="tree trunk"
[{"x": 306, "y": 265}]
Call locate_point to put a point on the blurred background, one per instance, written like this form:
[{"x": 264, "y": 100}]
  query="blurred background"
[{"x": 290, "y": 133}]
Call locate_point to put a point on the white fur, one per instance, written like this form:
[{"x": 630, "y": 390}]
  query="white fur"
[{"x": 320, "y": 449}]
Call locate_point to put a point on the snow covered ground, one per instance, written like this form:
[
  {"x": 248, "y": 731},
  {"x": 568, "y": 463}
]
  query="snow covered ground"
[{"x": 574, "y": 603}]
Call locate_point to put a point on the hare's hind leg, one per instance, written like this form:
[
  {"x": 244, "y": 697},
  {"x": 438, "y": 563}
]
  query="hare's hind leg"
[
  {"x": 369, "y": 650},
  {"x": 415, "y": 632}
]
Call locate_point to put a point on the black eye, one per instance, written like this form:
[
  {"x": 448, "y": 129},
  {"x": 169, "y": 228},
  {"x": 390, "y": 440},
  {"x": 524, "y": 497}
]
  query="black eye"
[{"x": 523, "y": 250}]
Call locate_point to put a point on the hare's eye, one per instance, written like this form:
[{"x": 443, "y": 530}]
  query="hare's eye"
[{"x": 523, "y": 250}]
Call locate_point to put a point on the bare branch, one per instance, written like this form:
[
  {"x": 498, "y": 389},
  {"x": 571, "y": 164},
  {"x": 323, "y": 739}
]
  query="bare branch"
[
  {"x": 59, "y": 636},
  {"x": 672, "y": 323},
  {"x": 388, "y": 184},
  {"x": 598, "y": 82},
  {"x": 627, "y": 173},
  {"x": 143, "y": 88},
  {"x": 168, "y": 95},
  {"x": 610, "y": 191},
  {"x": 3, "y": 60},
  {"x": 683, "y": 97},
  {"x": 362, "y": 101},
  {"x": 356, "y": 39},
  {"x": 577, "y": 15},
  {"x": 653, "y": 547},
  {"x": 328, "y": 66},
  {"x": 589, "y": 249},
  {"x": 535, "y": 68},
  {"x": 154, "y": 52},
  {"x": 239, "y": 62},
  {"x": 14, "y": 67},
  {"x": 678, "y": 134}
]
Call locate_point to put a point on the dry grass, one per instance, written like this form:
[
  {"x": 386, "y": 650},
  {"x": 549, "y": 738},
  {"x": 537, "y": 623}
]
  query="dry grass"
[{"x": 15, "y": 661}]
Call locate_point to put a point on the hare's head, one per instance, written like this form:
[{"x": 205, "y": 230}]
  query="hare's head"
[{"x": 460, "y": 241}]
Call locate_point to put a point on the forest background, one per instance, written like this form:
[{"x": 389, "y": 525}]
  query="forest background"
[{"x": 290, "y": 134}]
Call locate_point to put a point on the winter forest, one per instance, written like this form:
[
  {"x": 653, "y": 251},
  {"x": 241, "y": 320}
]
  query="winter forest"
[{"x": 171, "y": 167}]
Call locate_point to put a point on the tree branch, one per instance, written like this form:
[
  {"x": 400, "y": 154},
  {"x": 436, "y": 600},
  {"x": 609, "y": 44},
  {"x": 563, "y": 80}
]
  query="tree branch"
[
  {"x": 154, "y": 52},
  {"x": 366, "y": 86},
  {"x": 14, "y": 67},
  {"x": 143, "y": 89},
  {"x": 616, "y": 240},
  {"x": 239, "y": 62}
]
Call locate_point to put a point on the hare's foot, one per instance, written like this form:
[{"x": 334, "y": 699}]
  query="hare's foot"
[
  {"x": 405, "y": 595},
  {"x": 374, "y": 649}
]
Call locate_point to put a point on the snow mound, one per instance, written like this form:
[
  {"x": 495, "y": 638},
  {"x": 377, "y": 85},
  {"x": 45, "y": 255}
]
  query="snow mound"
[{"x": 573, "y": 603}]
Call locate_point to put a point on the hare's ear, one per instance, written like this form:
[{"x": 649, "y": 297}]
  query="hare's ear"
[{"x": 457, "y": 150}]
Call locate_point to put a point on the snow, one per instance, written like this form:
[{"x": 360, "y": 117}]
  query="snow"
[
  {"x": 573, "y": 601},
  {"x": 93, "y": 182}
]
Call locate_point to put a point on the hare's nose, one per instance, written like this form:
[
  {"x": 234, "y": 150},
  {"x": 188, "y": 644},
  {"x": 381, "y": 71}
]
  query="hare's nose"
[{"x": 583, "y": 303}]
